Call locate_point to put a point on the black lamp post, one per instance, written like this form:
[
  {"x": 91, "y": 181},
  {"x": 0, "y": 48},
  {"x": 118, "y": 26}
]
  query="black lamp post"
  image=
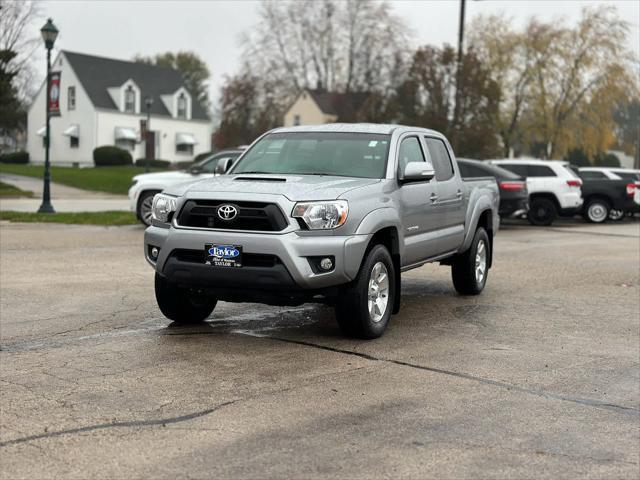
[
  {"x": 49, "y": 34},
  {"x": 148, "y": 101}
]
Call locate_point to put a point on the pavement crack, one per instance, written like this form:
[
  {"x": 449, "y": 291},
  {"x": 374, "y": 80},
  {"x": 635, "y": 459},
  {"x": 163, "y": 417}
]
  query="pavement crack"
[
  {"x": 124, "y": 424},
  {"x": 486, "y": 381}
]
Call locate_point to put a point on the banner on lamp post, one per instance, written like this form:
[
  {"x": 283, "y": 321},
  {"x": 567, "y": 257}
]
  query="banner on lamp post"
[{"x": 54, "y": 95}]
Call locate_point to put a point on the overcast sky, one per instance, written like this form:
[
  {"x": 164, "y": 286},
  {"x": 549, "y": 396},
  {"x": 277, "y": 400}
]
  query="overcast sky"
[{"x": 122, "y": 29}]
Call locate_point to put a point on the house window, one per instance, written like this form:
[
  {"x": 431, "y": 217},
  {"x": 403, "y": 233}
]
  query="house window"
[
  {"x": 130, "y": 100},
  {"x": 184, "y": 148},
  {"x": 182, "y": 106},
  {"x": 296, "y": 119},
  {"x": 74, "y": 142},
  {"x": 126, "y": 144},
  {"x": 71, "y": 98}
]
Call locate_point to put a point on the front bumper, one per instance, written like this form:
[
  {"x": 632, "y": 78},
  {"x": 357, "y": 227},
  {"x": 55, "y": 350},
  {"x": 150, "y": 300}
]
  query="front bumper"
[{"x": 291, "y": 271}]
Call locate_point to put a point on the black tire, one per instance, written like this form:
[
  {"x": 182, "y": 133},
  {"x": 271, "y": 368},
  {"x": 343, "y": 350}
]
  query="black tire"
[
  {"x": 542, "y": 212},
  {"x": 180, "y": 305},
  {"x": 352, "y": 306},
  {"x": 143, "y": 209},
  {"x": 596, "y": 210},
  {"x": 616, "y": 215},
  {"x": 464, "y": 269}
]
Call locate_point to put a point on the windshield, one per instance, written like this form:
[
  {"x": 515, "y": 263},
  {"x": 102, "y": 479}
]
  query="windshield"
[{"x": 318, "y": 153}]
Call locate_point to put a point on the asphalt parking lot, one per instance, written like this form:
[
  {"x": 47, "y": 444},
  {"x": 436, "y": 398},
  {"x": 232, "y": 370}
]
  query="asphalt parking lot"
[{"x": 537, "y": 377}]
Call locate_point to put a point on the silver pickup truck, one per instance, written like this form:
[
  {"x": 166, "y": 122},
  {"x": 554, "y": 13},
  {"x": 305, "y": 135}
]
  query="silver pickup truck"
[{"x": 328, "y": 213}]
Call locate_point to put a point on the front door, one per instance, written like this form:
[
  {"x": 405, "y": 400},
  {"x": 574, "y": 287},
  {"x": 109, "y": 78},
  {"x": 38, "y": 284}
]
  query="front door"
[
  {"x": 416, "y": 205},
  {"x": 150, "y": 145}
]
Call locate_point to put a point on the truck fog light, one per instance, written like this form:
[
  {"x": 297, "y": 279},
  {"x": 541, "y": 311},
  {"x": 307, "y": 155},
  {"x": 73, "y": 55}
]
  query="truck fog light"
[
  {"x": 154, "y": 253},
  {"x": 326, "y": 264}
]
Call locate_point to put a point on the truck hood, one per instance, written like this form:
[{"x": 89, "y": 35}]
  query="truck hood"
[{"x": 294, "y": 187}]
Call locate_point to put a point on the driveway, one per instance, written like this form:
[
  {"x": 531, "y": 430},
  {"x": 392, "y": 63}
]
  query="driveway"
[
  {"x": 64, "y": 198},
  {"x": 537, "y": 377}
]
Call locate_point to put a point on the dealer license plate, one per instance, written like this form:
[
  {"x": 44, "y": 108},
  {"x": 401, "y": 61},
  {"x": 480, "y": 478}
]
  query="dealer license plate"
[{"x": 223, "y": 255}]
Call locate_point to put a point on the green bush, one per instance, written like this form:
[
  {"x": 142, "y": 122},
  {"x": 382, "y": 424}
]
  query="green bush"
[
  {"x": 108, "y": 156},
  {"x": 15, "y": 157},
  {"x": 155, "y": 163},
  {"x": 577, "y": 157},
  {"x": 606, "y": 160}
]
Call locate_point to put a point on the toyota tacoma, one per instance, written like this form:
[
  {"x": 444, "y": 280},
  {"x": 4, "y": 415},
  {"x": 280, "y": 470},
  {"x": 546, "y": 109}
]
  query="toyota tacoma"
[{"x": 327, "y": 213}]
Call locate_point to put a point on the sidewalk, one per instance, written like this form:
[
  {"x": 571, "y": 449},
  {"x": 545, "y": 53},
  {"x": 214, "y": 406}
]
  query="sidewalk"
[{"x": 63, "y": 198}]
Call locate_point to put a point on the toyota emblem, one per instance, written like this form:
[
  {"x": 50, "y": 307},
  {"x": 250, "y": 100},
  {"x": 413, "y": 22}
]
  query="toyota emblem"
[{"x": 227, "y": 212}]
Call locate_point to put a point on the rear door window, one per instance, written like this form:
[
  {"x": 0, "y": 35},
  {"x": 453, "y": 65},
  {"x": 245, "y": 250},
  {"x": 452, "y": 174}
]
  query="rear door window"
[
  {"x": 471, "y": 171},
  {"x": 592, "y": 175},
  {"x": 440, "y": 158},
  {"x": 518, "y": 169},
  {"x": 540, "y": 171}
]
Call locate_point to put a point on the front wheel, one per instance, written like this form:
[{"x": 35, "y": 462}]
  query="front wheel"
[
  {"x": 469, "y": 270},
  {"x": 181, "y": 305},
  {"x": 145, "y": 202},
  {"x": 364, "y": 308}
]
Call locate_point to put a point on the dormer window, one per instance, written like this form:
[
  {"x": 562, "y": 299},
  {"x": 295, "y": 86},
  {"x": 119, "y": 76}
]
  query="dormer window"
[
  {"x": 130, "y": 100},
  {"x": 182, "y": 106}
]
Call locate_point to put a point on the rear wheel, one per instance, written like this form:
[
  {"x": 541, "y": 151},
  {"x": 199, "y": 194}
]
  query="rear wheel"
[
  {"x": 542, "y": 212},
  {"x": 363, "y": 310},
  {"x": 145, "y": 202},
  {"x": 181, "y": 305},
  {"x": 596, "y": 210},
  {"x": 469, "y": 270}
]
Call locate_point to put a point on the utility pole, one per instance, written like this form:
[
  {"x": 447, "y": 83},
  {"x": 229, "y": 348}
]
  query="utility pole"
[{"x": 456, "y": 109}]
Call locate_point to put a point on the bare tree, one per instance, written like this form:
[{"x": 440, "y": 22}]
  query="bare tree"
[
  {"x": 351, "y": 45},
  {"x": 15, "y": 19}
]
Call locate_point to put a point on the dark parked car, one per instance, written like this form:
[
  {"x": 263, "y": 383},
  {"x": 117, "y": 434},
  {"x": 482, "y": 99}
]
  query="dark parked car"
[
  {"x": 514, "y": 197},
  {"x": 604, "y": 196}
]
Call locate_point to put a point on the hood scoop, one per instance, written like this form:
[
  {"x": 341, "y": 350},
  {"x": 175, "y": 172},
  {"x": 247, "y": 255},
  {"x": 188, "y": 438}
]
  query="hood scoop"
[{"x": 259, "y": 179}]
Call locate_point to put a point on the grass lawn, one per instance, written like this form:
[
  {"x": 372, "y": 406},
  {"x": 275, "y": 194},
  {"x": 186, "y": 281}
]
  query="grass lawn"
[
  {"x": 79, "y": 218},
  {"x": 9, "y": 191},
  {"x": 101, "y": 179}
]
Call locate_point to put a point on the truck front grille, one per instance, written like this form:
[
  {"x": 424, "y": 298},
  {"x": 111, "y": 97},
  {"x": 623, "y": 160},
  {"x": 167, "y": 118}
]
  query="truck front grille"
[
  {"x": 248, "y": 259},
  {"x": 265, "y": 217}
]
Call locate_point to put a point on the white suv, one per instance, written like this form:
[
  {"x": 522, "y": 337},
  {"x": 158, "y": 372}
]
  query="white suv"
[
  {"x": 146, "y": 185},
  {"x": 554, "y": 189}
]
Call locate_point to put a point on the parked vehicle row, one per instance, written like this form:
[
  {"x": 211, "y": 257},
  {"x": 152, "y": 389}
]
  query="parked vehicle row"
[{"x": 609, "y": 195}]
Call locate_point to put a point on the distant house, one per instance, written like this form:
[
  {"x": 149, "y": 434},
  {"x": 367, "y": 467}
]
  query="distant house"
[
  {"x": 102, "y": 102},
  {"x": 314, "y": 107}
]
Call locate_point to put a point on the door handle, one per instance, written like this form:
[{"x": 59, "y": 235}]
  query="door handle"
[
  {"x": 433, "y": 198},
  {"x": 459, "y": 194}
]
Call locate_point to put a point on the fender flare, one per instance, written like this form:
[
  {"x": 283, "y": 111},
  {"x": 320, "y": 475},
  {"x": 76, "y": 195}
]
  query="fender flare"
[{"x": 473, "y": 217}]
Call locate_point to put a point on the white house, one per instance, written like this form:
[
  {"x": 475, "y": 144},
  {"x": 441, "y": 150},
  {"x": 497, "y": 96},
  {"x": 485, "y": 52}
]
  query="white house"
[{"x": 102, "y": 102}]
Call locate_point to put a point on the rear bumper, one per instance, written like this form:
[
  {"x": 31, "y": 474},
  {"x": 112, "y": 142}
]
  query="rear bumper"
[
  {"x": 513, "y": 207},
  {"x": 291, "y": 270}
]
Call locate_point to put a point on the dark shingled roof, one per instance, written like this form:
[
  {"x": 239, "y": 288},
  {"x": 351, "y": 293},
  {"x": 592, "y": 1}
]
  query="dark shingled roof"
[
  {"x": 344, "y": 105},
  {"x": 97, "y": 74}
]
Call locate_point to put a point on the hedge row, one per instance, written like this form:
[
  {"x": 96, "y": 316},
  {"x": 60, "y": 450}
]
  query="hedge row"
[
  {"x": 156, "y": 163},
  {"x": 15, "y": 157}
]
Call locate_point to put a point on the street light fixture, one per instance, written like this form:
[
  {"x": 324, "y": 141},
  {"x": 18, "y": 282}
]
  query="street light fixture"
[
  {"x": 49, "y": 34},
  {"x": 148, "y": 102}
]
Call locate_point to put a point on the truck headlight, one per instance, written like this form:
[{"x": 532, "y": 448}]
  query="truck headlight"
[
  {"x": 322, "y": 215},
  {"x": 163, "y": 206}
]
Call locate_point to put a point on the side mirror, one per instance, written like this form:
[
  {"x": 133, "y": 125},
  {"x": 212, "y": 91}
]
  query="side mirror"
[
  {"x": 195, "y": 170},
  {"x": 417, "y": 172},
  {"x": 223, "y": 166}
]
